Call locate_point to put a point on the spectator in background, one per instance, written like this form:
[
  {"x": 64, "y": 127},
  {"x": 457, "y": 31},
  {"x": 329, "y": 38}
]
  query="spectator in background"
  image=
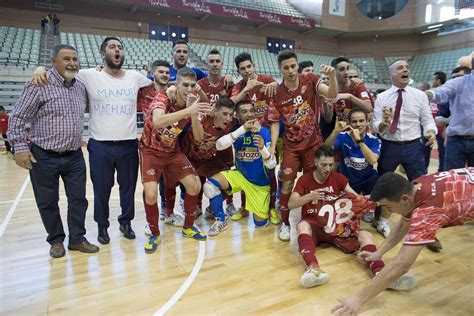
[
  {"x": 56, "y": 22},
  {"x": 353, "y": 74},
  {"x": 4, "y": 129},
  {"x": 439, "y": 78},
  {"x": 47, "y": 24},
  {"x": 460, "y": 94},
  {"x": 56, "y": 138},
  {"x": 44, "y": 20},
  {"x": 424, "y": 86},
  {"x": 144, "y": 71}
]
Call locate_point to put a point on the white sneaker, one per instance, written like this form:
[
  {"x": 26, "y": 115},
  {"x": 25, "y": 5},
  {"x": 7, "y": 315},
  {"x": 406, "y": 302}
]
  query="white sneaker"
[
  {"x": 231, "y": 209},
  {"x": 314, "y": 277},
  {"x": 217, "y": 227},
  {"x": 208, "y": 213},
  {"x": 404, "y": 283},
  {"x": 197, "y": 212},
  {"x": 162, "y": 213},
  {"x": 284, "y": 232},
  {"x": 383, "y": 226},
  {"x": 368, "y": 217},
  {"x": 175, "y": 220},
  {"x": 147, "y": 230}
]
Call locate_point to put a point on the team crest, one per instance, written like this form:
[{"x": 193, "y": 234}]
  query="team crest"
[
  {"x": 303, "y": 89},
  {"x": 151, "y": 172},
  {"x": 287, "y": 171}
]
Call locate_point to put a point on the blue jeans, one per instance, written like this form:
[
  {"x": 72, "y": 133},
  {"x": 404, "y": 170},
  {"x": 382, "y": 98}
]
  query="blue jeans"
[
  {"x": 459, "y": 151},
  {"x": 44, "y": 176},
  {"x": 104, "y": 158},
  {"x": 409, "y": 155}
]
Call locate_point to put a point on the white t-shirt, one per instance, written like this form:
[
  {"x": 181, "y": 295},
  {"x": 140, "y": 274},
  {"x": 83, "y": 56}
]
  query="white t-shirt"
[{"x": 112, "y": 103}]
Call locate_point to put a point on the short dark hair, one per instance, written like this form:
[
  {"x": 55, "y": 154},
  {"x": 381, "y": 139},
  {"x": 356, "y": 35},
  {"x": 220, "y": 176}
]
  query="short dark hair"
[
  {"x": 2, "y": 108},
  {"x": 160, "y": 63},
  {"x": 56, "y": 49},
  {"x": 186, "y": 72},
  {"x": 356, "y": 110},
  {"x": 180, "y": 41},
  {"x": 225, "y": 102},
  {"x": 325, "y": 151},
  {"x": 286, "y": 54},
  {"x": 390, "y": 186},
  {"x": 241, "y": 58},
  {"x": 338, "y": 60},
  {"x": 214, "y": 51},
  {"x": 302, "y": 65},
  {"x": 441, "y": 76},
  {"x": 466, "y": 70},
  {"x": 106, "y": 41},
  {"x": 240, "y": 103}
]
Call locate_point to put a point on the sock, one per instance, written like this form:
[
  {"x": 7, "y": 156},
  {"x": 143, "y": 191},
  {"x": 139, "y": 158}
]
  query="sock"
[
  {"x": 285, "y": 212},
  {"x": 216, "y": 206},
  {"x": 151, "y": 211},
  {"x": 203, "y": 180},
  {"x": 242, "y": 199},
  {"x": 307, "y": 249},
  {"x": 170, "y": 197},
  {"x": 190, "y": 203},
  {"x": 374, "y": 266},
  {"x": 273, "y": 189},
  {"x": 229, "y": 199}
]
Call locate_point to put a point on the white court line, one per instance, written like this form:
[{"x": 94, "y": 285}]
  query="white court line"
[
  {"x": 187, "y": 283},
  {"x": 14, "y": 205}
]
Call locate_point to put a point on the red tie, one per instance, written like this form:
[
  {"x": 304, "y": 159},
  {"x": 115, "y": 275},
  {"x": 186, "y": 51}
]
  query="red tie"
[{"x": 396, "y": 117}]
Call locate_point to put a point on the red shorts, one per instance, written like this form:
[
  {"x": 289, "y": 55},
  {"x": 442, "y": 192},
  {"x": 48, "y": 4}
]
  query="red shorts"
[
  {"x": 346, "y": 244},
  {"x": 175, "y": 166},
  {"x": 297, "y": 156},
  {"x": 226, "y": 157},
  {"x": 209, "y": 168}
]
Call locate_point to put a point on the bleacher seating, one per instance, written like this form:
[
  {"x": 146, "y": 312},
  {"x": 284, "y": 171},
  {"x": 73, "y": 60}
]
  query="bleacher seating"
[
  {"x": 275, "y": 6},
  {"x": 18, "y": 46},
  {"x": 10, "y": 92},
  {"x": 423, "y": 66},
  {"x": 139, "y": 52}
]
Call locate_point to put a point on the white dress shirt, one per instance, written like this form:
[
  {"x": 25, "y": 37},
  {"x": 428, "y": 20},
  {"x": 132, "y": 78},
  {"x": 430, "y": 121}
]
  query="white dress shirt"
[{"x": 415, "y": 112}]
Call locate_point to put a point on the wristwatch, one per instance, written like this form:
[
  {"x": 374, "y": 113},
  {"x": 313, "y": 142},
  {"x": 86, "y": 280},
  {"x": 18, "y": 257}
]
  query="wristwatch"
[{"x": 359, "y": 141}]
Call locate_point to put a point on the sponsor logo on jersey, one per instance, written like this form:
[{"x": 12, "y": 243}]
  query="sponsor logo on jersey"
[
  {"x": 356, "y": 163},
  {"x": 248, "y": 154}
]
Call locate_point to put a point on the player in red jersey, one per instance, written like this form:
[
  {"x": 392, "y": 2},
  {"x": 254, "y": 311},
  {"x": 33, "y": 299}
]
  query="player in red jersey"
[
  {"x": 295, "y": 102},
  {"x": 255, "y": 89},
  {"x": 327, "y": 216},
  {"x": 202, "y": 154},
  {"x": 214, "y": 86},
  {"x": 431, "y": 202},
  {"x": 351, "y": 93},
  {"x": 160, "y": 152}
]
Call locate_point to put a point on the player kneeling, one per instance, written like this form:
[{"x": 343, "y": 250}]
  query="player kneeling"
[
  {"x": 327, "y": 216},
  {"x": 253, "y": 161}
]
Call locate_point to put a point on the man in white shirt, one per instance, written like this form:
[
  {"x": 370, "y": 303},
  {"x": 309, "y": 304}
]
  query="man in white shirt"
[{"x": 399, "y": 114}]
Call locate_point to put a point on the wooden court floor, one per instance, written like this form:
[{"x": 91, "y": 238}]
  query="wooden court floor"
[{"x": 244, "y": 271}]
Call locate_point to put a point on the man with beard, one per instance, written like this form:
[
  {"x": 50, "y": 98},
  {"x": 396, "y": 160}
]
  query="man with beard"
[
  {"x": 180, "y": 60},
  {"x": 350, "y": 94},
  {"x": 257, "y": 90},
  {"x": 399, "y": 114},
  {"x": 252, "y": 175},
  {"x": 113, "y": 144},
  {"x": 161, "y": 153},
  {"x": 295, "y": 103},
  {"x": 56, "y": 139}
]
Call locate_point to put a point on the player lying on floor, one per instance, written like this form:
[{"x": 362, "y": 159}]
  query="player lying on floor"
[{"x": 431, "y": 202}]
